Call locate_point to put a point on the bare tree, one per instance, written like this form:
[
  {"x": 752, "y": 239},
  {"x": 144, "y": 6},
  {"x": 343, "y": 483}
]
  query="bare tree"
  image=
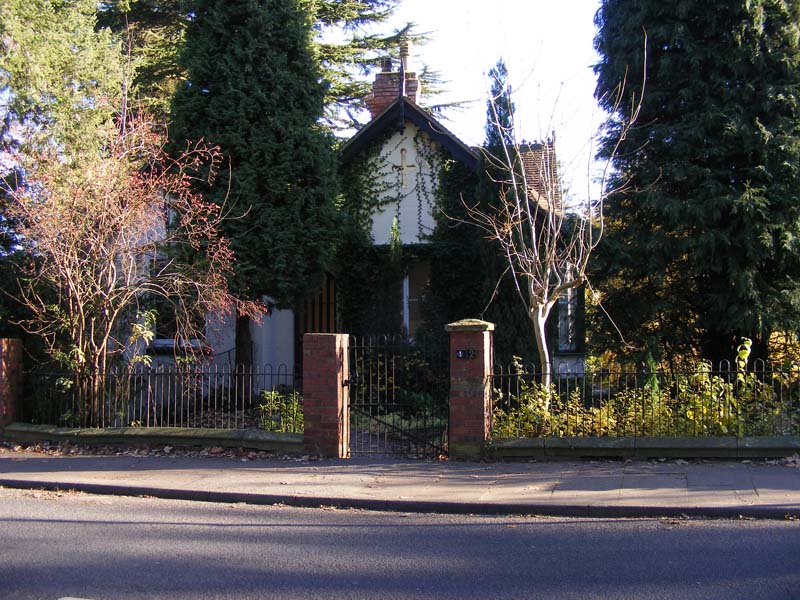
[
  {"x": 546, "y": 244},
  {"x": 111, "y": 235}
]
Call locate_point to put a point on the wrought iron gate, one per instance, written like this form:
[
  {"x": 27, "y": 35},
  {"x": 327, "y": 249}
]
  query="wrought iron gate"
[{"x": 398, "y": 398}]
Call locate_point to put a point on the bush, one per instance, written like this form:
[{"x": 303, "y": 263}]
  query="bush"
[
  {"x": 738, "y": 402},
  {"x": 281, "y": 411}
]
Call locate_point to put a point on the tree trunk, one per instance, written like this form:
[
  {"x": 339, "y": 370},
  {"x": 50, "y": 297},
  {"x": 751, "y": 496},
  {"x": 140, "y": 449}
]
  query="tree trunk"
[
  {"x": 244, "y": 342},
  {"x": 244, "y": 362},
  {"x": 95, "y": 390},
  {"x": 90, "y": 390},
  {"x": 539, "y": 316}
]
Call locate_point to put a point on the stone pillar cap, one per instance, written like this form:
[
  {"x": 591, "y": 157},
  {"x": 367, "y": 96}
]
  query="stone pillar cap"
[{"x": 469, "y": 325}]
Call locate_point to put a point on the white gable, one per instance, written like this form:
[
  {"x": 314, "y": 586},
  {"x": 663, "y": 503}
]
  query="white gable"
[{"x": 406, "y": 177}]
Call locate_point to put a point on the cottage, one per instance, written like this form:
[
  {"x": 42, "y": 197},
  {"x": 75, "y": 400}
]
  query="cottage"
[
  {"x": 401, "y": 152},
  {"x": 398, "y": 158}
]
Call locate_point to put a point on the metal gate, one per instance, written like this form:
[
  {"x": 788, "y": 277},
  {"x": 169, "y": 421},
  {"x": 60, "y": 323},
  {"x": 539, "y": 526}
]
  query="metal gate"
[{"x": 398, "y": 398}]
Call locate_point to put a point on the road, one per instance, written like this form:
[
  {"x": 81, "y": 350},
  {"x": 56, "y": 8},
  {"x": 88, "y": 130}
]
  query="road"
[{"x": 104, "y": 548}]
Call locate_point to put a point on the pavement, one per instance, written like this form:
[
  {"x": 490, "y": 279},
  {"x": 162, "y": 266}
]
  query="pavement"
[{"x": 758, "y": 489}]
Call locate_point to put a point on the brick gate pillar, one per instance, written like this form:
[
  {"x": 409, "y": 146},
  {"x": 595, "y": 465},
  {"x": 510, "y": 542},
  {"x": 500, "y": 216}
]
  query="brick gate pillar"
[
  {"x": 10, "y": 379},
  {"x": 471, "y": 358},
  {"x": 325, "y": 397}
]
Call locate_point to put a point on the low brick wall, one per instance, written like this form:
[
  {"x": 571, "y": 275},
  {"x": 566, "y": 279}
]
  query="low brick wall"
[
  {"x": 643, "y": 447},
  {"x": 249, "y": 439}
]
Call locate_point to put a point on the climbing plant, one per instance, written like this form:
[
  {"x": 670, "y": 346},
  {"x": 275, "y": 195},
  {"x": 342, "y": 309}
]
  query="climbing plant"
[{"x": 369, "y": 277}]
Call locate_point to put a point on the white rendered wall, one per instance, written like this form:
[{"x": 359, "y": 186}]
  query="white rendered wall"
[
  {"x": 408, "y": 183},
  {"x": 221, "y": 338},
  {"x": 273, "y": 342}
]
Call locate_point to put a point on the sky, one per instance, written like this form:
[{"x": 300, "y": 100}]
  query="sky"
[{"x": 547, "y": 47}]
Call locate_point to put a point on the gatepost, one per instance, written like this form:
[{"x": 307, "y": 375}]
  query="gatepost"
[
  {"x": 325, "y": 394},
  {"x": 470, "y": 387},
  {"x": 10, "y": 379}
]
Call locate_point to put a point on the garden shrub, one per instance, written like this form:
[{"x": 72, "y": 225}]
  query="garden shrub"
[
  {"x": 281, "y": 411},
  {"x": 700, "y": 402}
]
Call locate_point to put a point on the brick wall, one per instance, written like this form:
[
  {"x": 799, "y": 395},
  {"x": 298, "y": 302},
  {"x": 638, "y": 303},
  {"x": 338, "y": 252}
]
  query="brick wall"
[
  {"x": 10, "y": 379},
  {"x": 325, "y": 396},
  {"x": 470, "y": 387}
]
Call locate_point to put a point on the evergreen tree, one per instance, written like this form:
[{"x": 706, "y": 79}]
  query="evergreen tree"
[
  {"x": 349, "y": 50},
  {"x": 344, "y": 45},
  {"x": 499, "y": 112},
  {"x": 701, "y": 248},
  {"x": 152, "y": 34},
  {"x": 60, "y": 78},
  {"x": 504, "y": 306},
  {"x": 479, "y": 287},
  {"x": 254, "y": 89},
  {"x": 59, "y": 84}
]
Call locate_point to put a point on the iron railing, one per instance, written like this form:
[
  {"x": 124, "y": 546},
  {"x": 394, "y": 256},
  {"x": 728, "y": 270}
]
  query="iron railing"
[
  {"x": 216, "y": 397},
  {"x": 398, "y": 393},
  {"x": 701, "y": 401}
]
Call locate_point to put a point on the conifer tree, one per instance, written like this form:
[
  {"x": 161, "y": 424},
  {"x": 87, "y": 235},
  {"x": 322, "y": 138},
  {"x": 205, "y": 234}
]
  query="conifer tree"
[
  {"x": 86, "y": 199},
  {"x": 349, "y": 49},
  {"x": 503, "y": 306},
  {"x": 479, "y": 287},
  {"x": 499, "y": 111},
  {"x": 254, "y": 89},
  {"x": 58, "y": 77},
  {"x": 702, "y": 246},
  {"x": 344, "y": 44},
  {"x": 152, "y": 34}
]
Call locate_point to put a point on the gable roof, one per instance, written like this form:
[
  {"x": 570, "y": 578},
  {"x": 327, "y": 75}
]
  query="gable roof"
[{"x": 394, "y": 116}]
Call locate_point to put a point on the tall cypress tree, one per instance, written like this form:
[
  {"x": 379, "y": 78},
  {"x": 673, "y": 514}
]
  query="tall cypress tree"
[
  {"x": 499, "y": 111},
  {"x": 254, "y": 89},
  {"x": 702, "y": 246},
  {"x": 505, "y": 309},
  {"x": 477, "y": 287}
]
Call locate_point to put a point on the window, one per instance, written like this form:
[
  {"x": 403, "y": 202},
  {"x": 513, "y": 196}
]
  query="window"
[
  {"x": 567, "y": 321},
  {"x": 414, "y": 285}
]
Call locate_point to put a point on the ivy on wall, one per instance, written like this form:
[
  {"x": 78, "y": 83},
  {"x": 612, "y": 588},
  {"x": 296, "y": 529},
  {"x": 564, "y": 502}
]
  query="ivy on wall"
[
  {"x": 456, "y": 289},
  {"x": 374, "y": 182},
  {"x": 369, "y": 277},
  {"x": 466, "y": 269}
]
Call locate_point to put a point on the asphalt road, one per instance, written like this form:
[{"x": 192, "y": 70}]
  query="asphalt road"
[{"x": 102, "y": 548}]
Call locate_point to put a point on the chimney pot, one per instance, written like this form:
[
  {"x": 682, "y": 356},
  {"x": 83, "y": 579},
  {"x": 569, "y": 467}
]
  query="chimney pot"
[{"x": 404, "y": 55}]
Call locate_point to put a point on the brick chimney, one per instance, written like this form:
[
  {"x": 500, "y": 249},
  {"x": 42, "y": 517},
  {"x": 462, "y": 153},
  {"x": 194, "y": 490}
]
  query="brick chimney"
[
  {"x": 389, "y": 84},
  {"x": 541, "y": 172}
]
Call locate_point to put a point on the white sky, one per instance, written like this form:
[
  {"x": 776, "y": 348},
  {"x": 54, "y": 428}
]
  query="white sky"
[{"x": 547, "y": 47}]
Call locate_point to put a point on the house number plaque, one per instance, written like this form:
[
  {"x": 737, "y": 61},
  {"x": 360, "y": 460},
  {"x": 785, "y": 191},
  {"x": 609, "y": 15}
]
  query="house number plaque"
[{"x": 465, "y": 353}]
